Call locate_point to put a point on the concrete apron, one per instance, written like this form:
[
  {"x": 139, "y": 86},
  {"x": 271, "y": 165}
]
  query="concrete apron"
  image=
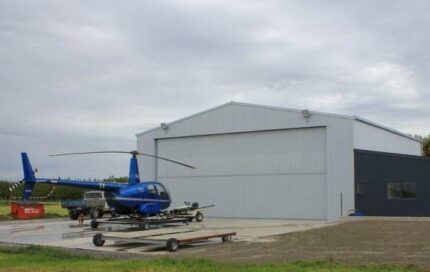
[{"x": 68, "y": 234}]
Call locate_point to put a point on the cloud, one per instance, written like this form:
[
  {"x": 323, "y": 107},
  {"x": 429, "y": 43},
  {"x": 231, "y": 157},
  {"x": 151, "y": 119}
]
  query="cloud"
[{"x": 89, "y": 75}]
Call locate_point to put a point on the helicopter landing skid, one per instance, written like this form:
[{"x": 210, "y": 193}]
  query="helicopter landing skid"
[{"x": 141, "y": 223}]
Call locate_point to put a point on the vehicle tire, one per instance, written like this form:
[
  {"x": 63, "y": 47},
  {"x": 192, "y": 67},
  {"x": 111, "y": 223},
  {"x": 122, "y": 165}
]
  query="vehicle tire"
[
  {"x": 94, "y": 213},
  {"x": 98, "y": 240},
  {"x": 100, "y": 213},
  {"x": 144, "y": 225},
  {"x": 225, "y": 239},
  {"x": 172, "y": 245},
  {"x": 73, "y": 215},
  {"x": 199, "y": 217},
  {"x": 190, "y": 219},
  {"x": 94, "y": 224}
]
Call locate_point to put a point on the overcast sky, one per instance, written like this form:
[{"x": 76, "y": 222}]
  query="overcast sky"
[{"x": 89, "y": 75}]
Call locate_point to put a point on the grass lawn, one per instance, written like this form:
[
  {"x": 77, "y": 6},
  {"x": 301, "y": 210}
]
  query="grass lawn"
[
  {"x": 36, "y": 258},
  {"x": 52, "y": 210}
]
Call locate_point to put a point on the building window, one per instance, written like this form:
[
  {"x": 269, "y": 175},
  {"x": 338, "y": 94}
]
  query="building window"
[
  {"x": 409, "y": 190},
  {"x": 401, "y": 190},
  {"x": 361, "y": 188},
  {"x": 394, "y": 190}
]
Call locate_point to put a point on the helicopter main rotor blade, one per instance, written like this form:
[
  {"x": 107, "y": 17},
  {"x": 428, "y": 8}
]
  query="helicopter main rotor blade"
[
  {"x": 92, "y": 152},
  {"x": 166, "y": 159},
  {"x": 124, "y": 152}
]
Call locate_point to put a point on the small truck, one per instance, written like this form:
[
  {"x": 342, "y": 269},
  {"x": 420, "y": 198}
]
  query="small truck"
[{"x": 93, "y": 204}]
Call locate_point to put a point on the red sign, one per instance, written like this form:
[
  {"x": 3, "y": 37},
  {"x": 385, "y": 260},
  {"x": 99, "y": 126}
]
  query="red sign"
[{"x": 27, "y": 209}]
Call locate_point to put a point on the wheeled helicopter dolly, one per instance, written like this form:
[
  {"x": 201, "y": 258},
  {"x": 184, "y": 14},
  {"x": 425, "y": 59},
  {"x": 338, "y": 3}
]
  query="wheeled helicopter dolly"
[
  {"x": 183, "y": 214},
  {"x": 189, "y": 211}
]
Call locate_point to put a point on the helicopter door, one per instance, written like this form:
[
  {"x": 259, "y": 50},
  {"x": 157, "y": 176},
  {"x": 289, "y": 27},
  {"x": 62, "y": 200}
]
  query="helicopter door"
[
  {"x": 151, "y": 193},
  {"x": 162, "y": 193}
]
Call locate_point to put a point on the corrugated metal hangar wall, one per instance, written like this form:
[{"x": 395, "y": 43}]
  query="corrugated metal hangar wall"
[
  {"x": 257, "y": 162},
  {"x": 289, "y": 171}
]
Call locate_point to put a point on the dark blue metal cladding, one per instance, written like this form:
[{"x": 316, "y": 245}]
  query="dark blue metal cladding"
[{"x": 374, "y": 170}]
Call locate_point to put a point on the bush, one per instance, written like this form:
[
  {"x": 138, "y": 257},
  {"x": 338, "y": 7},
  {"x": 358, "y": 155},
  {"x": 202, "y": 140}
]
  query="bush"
[{"x": 426, "y": 146}]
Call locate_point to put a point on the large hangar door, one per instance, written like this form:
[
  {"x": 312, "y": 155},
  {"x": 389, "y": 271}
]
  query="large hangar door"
[{"x": 264, "y": 174}]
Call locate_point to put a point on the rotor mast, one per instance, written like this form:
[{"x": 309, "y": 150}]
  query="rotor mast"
[{"x": 133, "y": 176}]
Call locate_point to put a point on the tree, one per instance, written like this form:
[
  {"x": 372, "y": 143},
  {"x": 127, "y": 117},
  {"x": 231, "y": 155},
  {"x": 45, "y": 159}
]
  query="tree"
[
  {"x": 426, "y": 146},
  {"x": 112, "y": 178}
]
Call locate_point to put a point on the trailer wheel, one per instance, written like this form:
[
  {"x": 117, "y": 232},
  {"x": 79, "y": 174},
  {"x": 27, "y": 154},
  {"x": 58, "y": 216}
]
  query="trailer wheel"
[
  {"x": 101, "y": 213},
  {"x": 190, "y": 219},
  {"x": 225, "y": 239},
  {"x": 98, "y": 240},
  {"x": 94, "y": 224},
  {"x": 172, "y": 245},
  {"x": 94, "y": 213},
  {"x": 144, "y": 225},
  {"x": 199, "y": 217}
]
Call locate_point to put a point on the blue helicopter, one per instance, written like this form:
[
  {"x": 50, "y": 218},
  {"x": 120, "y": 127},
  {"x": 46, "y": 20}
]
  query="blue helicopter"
[{"x": 135, "y": 198}]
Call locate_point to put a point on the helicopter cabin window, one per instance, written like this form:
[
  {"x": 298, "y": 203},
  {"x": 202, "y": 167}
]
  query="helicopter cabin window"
[
  {"x": 161, "y": 191},
  {"x": 151, "y": 191}
]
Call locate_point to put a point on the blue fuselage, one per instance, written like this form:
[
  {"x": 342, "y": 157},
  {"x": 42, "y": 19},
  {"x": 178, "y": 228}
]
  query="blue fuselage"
[
  {"x": 147, "y": 197},
  {"x": 131, "y": 198}
]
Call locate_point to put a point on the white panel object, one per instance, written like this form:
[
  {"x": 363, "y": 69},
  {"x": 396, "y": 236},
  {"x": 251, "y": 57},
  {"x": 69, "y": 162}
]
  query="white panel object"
[{"x": 369, "y": 137}]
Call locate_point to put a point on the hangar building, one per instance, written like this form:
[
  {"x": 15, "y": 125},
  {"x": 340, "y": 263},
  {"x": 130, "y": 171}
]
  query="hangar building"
[{"x": 258, "y": 161}]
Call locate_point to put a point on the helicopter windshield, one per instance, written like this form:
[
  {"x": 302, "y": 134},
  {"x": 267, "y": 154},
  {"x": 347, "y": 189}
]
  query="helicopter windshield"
[
  {"x": 152, "y": 193},
  {"x": 162, "y": 192}
]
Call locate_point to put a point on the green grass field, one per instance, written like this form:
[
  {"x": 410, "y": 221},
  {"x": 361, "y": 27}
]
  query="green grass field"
[
  {"x": 52, "y": 210},
  {"x": 36, "y": 258}
]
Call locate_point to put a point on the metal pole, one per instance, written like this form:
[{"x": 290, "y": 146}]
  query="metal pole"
[{"x": 341, "y": 204}]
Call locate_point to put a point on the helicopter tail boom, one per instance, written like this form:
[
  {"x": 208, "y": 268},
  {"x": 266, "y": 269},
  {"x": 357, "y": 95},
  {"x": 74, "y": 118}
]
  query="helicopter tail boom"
[
  {"x": 30, "y": 180},
  {"x": 94, "y": 185}
]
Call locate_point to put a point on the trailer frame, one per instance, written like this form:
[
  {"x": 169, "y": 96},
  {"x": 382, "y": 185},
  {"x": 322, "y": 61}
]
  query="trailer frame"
[
  {"x": 171, "y": 240},
  {"x": 142, "y": 223}
]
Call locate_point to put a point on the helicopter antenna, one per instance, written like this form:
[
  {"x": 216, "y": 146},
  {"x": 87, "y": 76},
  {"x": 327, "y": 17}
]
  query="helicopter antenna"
[{"x": 134, "y": 153}]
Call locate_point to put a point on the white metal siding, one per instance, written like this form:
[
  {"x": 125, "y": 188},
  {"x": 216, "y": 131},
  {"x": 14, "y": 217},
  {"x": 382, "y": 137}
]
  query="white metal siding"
[
  {"x": 368, "y": 137},
  {"x": 265, "y": 174}
]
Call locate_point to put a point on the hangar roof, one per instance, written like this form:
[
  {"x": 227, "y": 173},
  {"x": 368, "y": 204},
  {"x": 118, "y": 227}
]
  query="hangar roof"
[{"x": 351, "y": 117}]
